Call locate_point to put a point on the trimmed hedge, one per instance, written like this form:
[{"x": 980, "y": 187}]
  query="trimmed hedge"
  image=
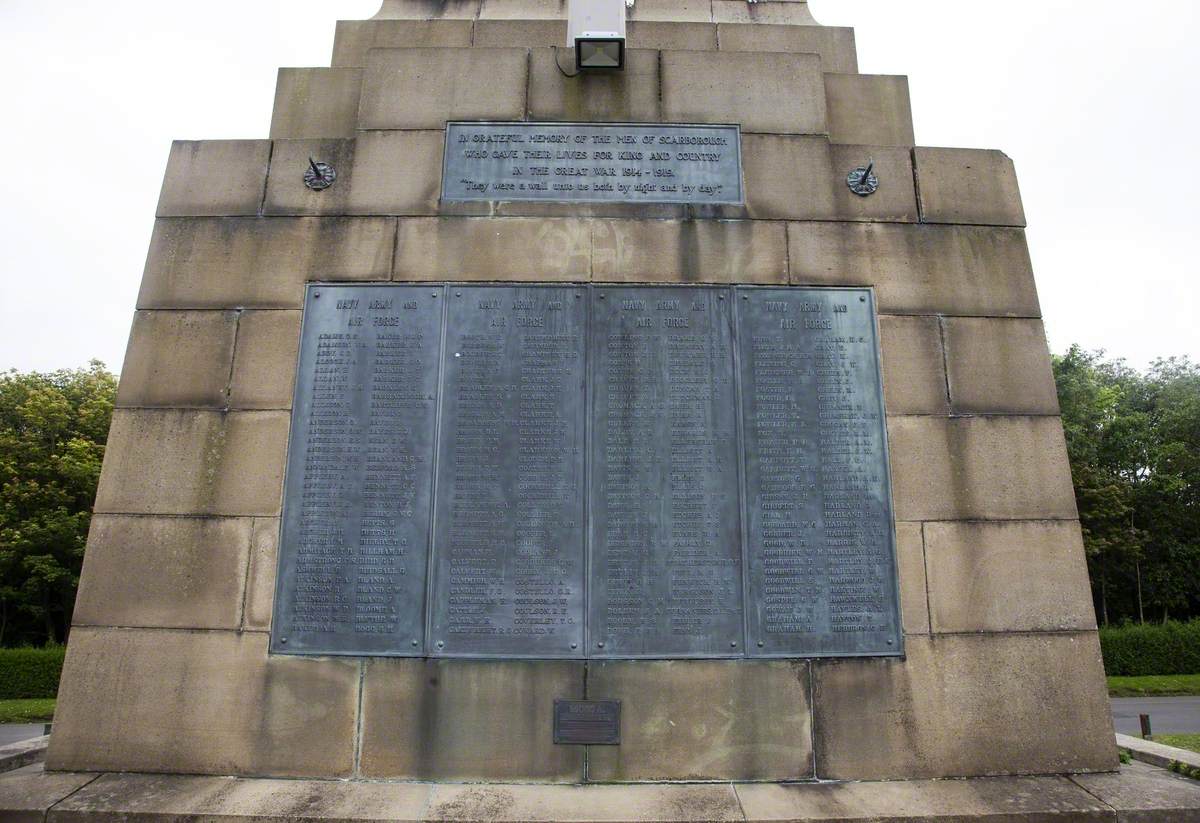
[
  {"x": 30, "y": 673},
  {"x": 1159, "y": 648}
]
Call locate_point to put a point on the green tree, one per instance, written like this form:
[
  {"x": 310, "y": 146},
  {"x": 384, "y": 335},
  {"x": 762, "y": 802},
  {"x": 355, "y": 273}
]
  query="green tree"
[
  {"x": 1133, "y": 440},
  {"x": 52, "y": 433}
]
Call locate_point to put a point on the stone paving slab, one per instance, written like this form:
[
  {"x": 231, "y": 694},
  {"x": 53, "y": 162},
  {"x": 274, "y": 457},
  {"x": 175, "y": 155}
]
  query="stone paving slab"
[
  {"x": 1145, "y": 794},
  {"x": 26, "y": 794},
  {"x": 1025, "y": 799},
  {"x": 1138, "y": 794}
]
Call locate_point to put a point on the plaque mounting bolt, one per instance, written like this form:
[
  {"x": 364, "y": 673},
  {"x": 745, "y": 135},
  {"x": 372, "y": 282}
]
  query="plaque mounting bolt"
[
  {"x": 761, "y": 644},
  {"x": 415, "y": 644},
  {"x": 319, "y": 176},
  {"x": 863, "y": 180},
  {"x": 441, "y": 644},
  {"x": 283, "y": 641},
  {"x": 600, "y": 645},
  {"x": 733, "y": 644}
]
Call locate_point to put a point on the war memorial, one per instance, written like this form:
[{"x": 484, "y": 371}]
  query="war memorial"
[{"x": 507, "y": 440}]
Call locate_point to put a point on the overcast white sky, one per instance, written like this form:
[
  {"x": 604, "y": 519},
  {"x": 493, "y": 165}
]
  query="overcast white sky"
[{"x": 1096, "y": 102}]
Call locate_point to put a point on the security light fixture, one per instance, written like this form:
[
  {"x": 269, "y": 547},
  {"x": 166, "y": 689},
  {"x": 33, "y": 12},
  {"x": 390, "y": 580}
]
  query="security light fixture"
[{"x": 596, "y": 28}]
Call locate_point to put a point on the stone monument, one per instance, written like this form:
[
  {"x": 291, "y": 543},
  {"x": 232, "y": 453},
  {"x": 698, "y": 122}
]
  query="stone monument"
[{"x": 491, "y": 423}]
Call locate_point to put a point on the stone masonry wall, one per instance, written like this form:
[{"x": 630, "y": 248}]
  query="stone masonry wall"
[{"x": 168, "y": 669}]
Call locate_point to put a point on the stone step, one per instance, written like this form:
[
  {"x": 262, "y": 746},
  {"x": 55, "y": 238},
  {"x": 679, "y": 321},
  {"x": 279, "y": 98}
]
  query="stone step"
[{"x": 1139, "y": 792}]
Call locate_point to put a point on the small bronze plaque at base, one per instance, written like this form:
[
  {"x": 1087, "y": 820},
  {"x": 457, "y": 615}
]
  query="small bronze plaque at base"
[{"x": 587, "y": 722}]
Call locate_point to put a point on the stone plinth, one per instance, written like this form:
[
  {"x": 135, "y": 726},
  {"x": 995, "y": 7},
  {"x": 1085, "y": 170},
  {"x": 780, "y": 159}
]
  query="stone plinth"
[{"x": 1138, "y": 793}]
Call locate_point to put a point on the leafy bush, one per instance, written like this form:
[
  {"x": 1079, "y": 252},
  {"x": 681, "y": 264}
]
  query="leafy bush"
[
  {"x": 1160, "y": 648},
  {"x": 30, "y": 673}
]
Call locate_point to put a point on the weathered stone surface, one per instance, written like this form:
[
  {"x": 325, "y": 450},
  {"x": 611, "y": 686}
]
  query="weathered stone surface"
[
  {"x": 1138, "y": 794},
  {"x": 466, "y": 720},
  {"x": 660, "y": 35},
  {"x": 1025, "y": 799},
  {"x": 964, "y": 705},
  {"x": 705, "y": 251},
  {"x": 920, "y": 269},
  {"x": 968, "y": 186},
  {"x": 193, "y": 462},
  {"x": 354, "y": 37},
  {"x": 704, "y": 720},
  {"x": 1008, "y": 577},
  {"x": 980, "y": 468},
  {"x": 428, "y": 9},
  {"x": 23, "y": 753},
  {"x": 177, "y": 572},
  {"x": 117, "y": 798},
  {"x": 999, "y": 365},
  {"x": 264, "y": 364},
  {"x": 214, "y": 178},
  {"x": 834, "y": 45},
  {"x": 696, "y": 88},
  {"x": 764, "y": 12},
  {"x": 381, "y": 172},
  {"x": 869, "y": 109},
  {"x": 1157, "y": 754},
  {"x": 676, "y": 11},
  {"x": 260, "y": 581},
  {"x": 423, "y": 88},
  {"x": 316, "y": 103},
  {"x": 26, "y": 793},
  {"x": 522, "y": 10},
  {"x": 510, "y": 248},
  {"x": 804, "y": 178},
  {"x": 521, "y": 34},
  {"x": 910, "y": 559},
  {"x": 585, "y": 804},
  {"x": 201, "y": 703},
  {"x": 259, "y": 263},
  {"x": 629, "y": 96},
  {"x": 178, "y": 358},
  {"x": 914, "y": 372},
  {"x": 286, "y": 192},
  {"x": 400, "y": 172},
  {"x": 1144, "y": 794}
]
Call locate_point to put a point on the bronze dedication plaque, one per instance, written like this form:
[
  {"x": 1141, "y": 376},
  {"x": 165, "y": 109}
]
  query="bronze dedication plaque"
[
  {"x": 354, "y": 543},
  {"x": 508, "y": 529},
  {"x": 560, "y": 471},
  {"x": 666, "y": 560},
  {"x": 820, "y": 553}
]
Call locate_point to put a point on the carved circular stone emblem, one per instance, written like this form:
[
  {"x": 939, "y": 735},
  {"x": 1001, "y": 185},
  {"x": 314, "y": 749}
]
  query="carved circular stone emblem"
[
  {"x": 319, "y": 176},
  {"x": 862, "y": 181}
]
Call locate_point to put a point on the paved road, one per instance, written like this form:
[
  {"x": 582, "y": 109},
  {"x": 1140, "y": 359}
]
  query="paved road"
[
  {"x": 16, "y": 732},
  {"x": 1168, "y": 715}
]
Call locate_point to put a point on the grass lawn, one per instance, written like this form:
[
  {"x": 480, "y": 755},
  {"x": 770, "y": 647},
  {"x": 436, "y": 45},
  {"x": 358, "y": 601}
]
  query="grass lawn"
[
  {"x": 26, "y": 711},
  {"x": 1154, "y": 685},
  {"x": 1179, "y": 741}
]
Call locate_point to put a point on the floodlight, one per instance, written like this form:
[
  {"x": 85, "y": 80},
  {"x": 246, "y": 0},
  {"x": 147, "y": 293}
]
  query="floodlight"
[{"x": 596, "y": 28}]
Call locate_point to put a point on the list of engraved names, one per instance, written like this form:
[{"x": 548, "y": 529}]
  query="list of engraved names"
[{"x": 562, "y": 471}]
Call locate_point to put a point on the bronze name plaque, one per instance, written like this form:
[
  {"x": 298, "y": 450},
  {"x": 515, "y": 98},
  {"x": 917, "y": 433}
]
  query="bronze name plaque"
[
  {"x": 587, "y": 722},
  {"x": 560, "y": 471}
]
